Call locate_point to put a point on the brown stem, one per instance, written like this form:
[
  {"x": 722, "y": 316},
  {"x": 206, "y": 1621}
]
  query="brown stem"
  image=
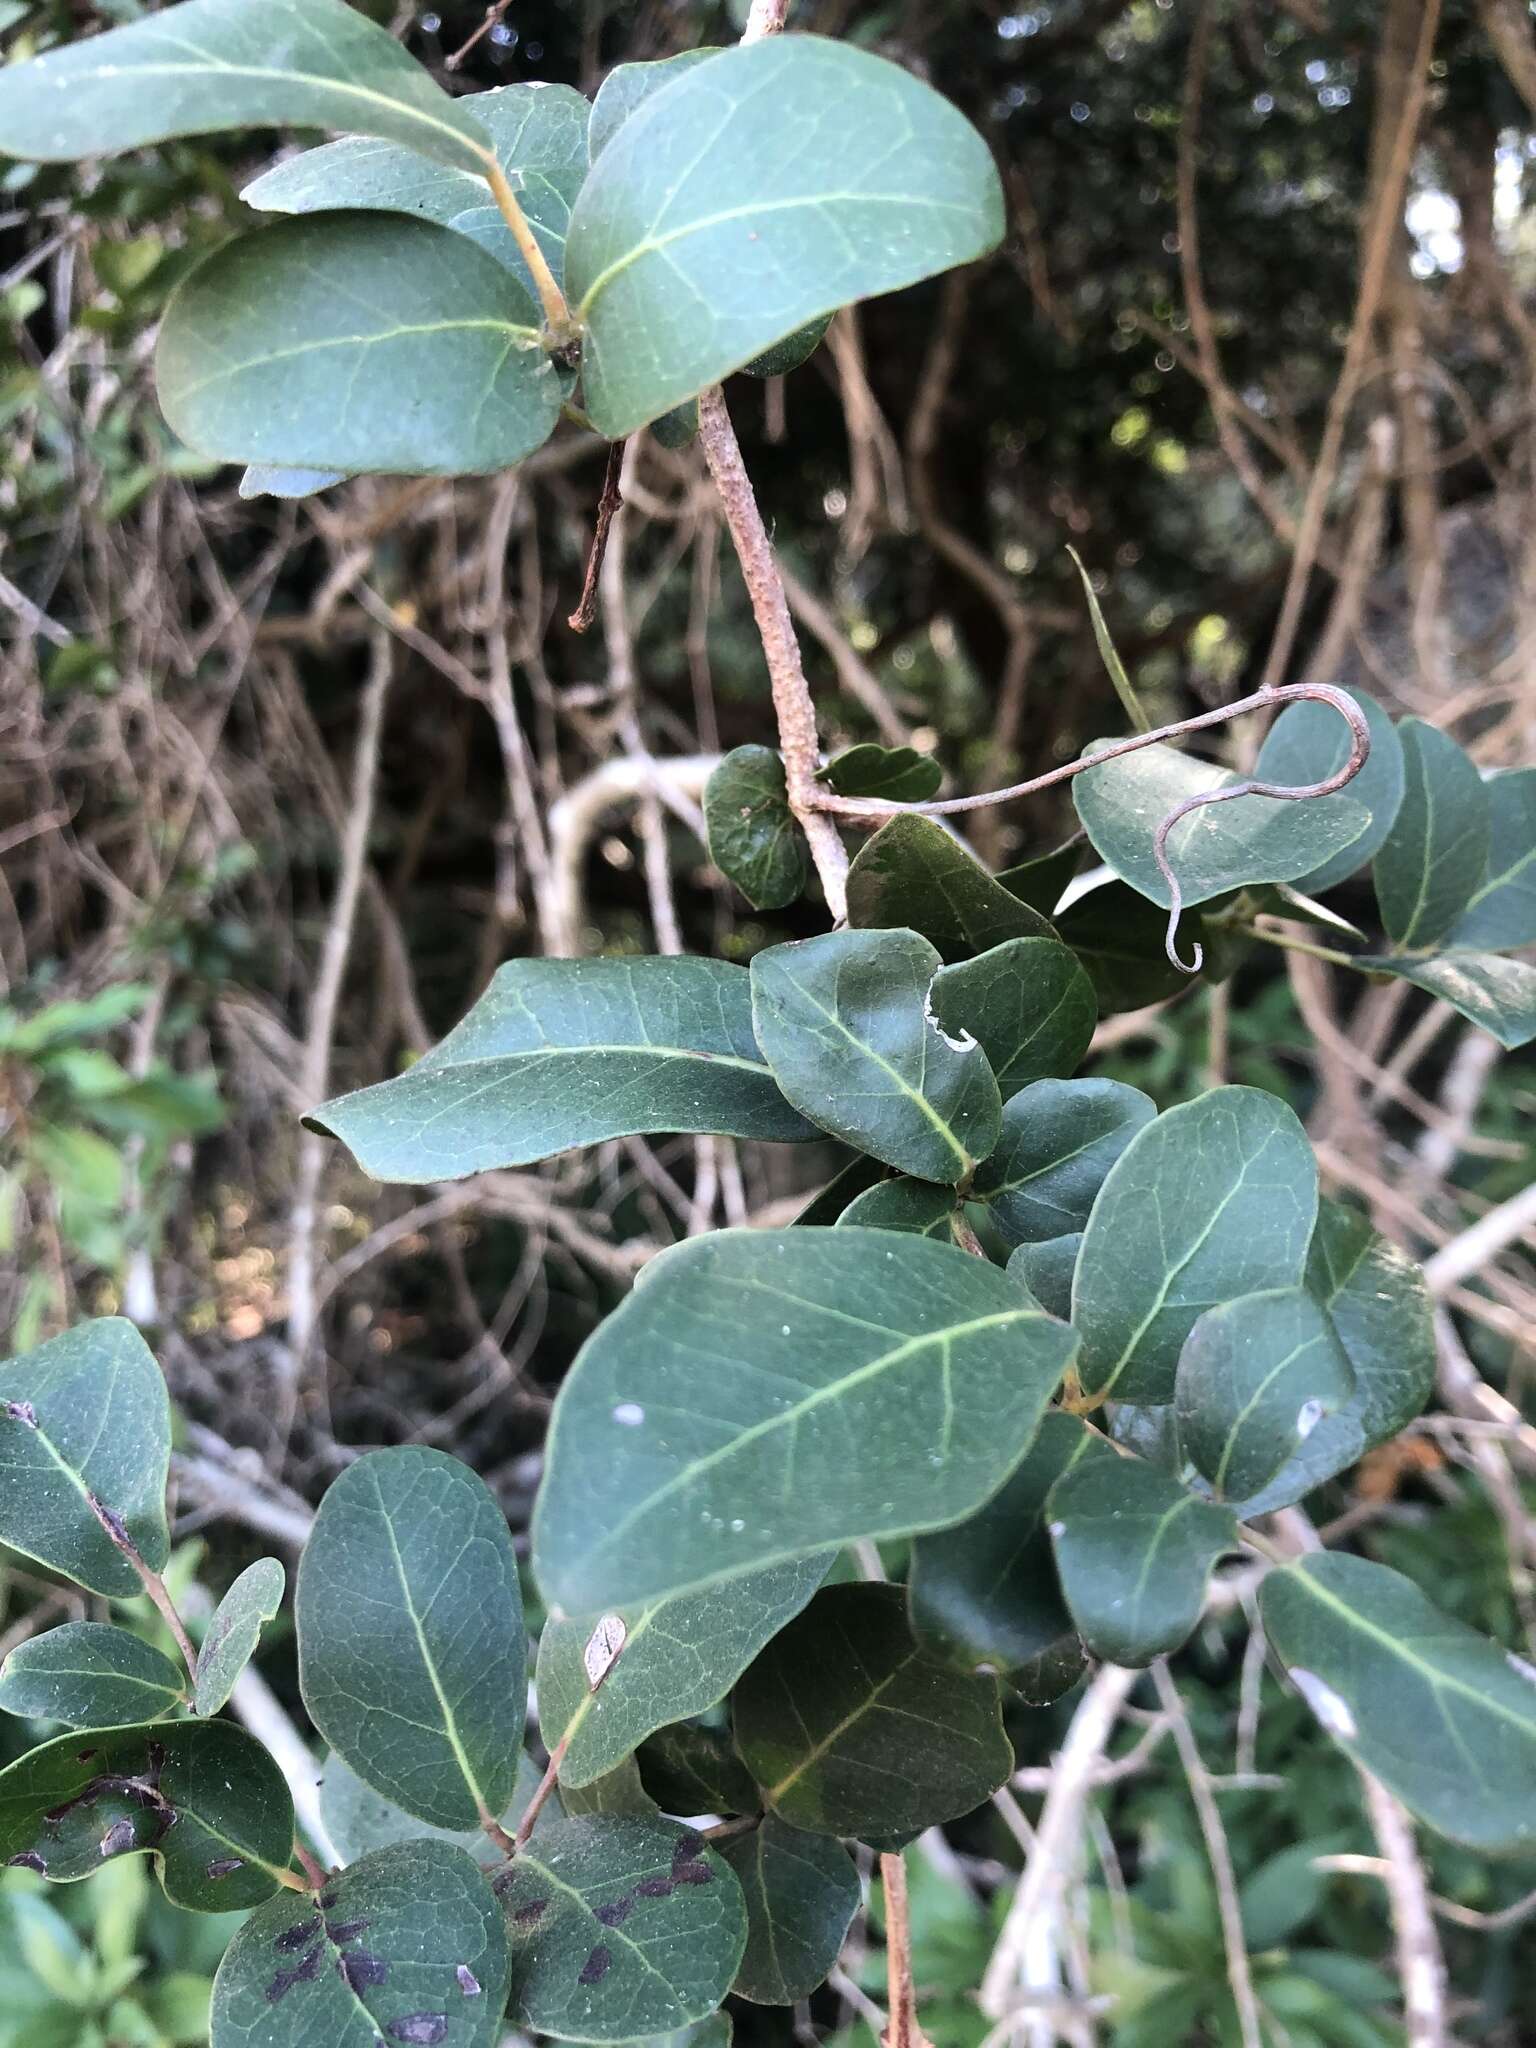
[
  {"x": 498, "y": 11},
  {"x": 152, "y": 1582},
  {"x": 536, "y": 1804},
  {"x": 608, "y": 504},
  {"x": 902, "y": 2030},
  {"x": 312, "y": 1870}
]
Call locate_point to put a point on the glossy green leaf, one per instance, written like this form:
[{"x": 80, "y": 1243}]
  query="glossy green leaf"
[
  {"x": 1441, "y": 1715},
  {"x": 86, "y": 1417},
  {"x": 360, "y": 1820},
  {"x": 705, "y": 1429},
  {"x": 706, "y": 233},
  {"x": 1213, "y": 1199},
  {"x": 1041, "y": 881},
  {"x": 1502, "y": 909},
  {"x": 897, "y": 775},
  {"x": 405, "y": 1947},
  {"x": 202, "y": 1796},
  {"x": 619, "y": 1929},
  {"x": 559, "y": 1053},
  {"x": 902, "y": 1204},
  {"x": 1120, "y": 940},
  {"x": 802, "y": 1892},
  {"x": 409, "y": 1570},
  {"x": 753, "y": 838},
  {"x": 1134, "y": 1550},
  {"x": 627, "y": 88},
  {"x": 851, "y": 1726},
  {"x": 1435, "y": 856},
  {"x": 679, "y": 1658},
  {"x": 1256, "y": 1377},
  {"x": 211, "y": 65},
  {"x": 1309, "y": 742},
  {"x": 791, "y": 352},
  {"x": 1059, "y": 1140},
  {"x": 845, "y": 1022},
  {"x": 692, "y": 1769},
  {"x": 538, "y": 132},
  {"x": 295, "y": 344},
  {"x": 1048, "y": 1270},
  {"x": 1217, "y": 848},
  {"x": 986, "y": 1592},
  {"x": 271, "y": 480},
  {"x": 1485, "y": 988},
  {"x": 88, "y": 1675},
  {"x": 912, "y": 874},
  {"x": 1028, "y": 1003},
  {"x": 235, "y": 1630}
]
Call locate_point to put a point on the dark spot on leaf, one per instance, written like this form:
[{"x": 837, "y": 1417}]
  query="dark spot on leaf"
[
  {"x": 343, "y": 1931},
  {"x": 298, "y": 1936},
  {"x": 596, "y": 1967},
  {"x": 614, "y": 1915},
  {"x": 29, "y": 1860},
  {"x": 360, "y": 1970},
  {"x": 304, "y": 1971},
  {"x": 420, "y": 2029},
  {"x": 23, "y": 1412},
  {"x": 223, "y": 1866},
  {"x": 655, "y": 1888},
  {"x": 525, "y": 1916},
  {"x": 327, "y": 1902},
  {"x": 156, "y": 1755},
  {"x": 85, "y": 1756},
  {"x": 469, "y": 1983},
  {"x": 688, "y": 1847},
  {"x": 112, "y": 1522},
  {"x": 119, "y": 1836},
  {"x": 692, "y": 1873}
]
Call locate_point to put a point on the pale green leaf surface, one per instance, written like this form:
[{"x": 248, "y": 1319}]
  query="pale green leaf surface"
[
  {"x": 913, "y": 874},
  {"x": 89, "y": 1675},
  {"x": 235, "y": 1630},
  {"x": 1059, "y": 1140},
  {"x": 1502, "y": 909},
  {"x": 801, "y": 1892},
  {"x": 1309, "y": 742},
  {"x": 360, "y": 1820},
  {"x": 271, "y": 480},
  {"x": 1486, "y": 988},
  {"x": 1434, "y": 858},
  {"x": 627, "y": 88},
  {"x": 1029, "y": 1005},
  {"x": 753, "y": 838}
]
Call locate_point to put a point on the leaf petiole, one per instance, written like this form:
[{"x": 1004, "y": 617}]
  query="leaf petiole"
[{"x": 557, "y": 314}]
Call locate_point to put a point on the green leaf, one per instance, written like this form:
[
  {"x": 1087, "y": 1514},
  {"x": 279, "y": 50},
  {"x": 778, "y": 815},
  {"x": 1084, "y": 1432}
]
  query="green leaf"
[
  {"x": 1441, "y": 1715},
  {"x": 1211, "y": 1200},
  {"x": 1059, "y": 1140},
  {"x": 202, "y": 1796},
  {"x": 986, "y": 1592},
  {"x": 845, "y": 1023},
  {"x": 293, "y": 346},
  {"x": 851, "y": 1727},
  {"x": 360, "y": 1820},
  {"x": 898, "y": 775},
  {"x": 407, "y": 1946},
  {"x": 212, "y": 65},
  {"x": 1048, "y": 1271},
  {"x": 1109, "y": 654},
  {"x": 902, "y": 1204},
  {"x": 539, "y": 134},
  {"x": 802, "y": 1892},
  {"x": 86, "y": 1417},
  {"x": 1256, "y": 1377},
  {"x": 1435, "y": 856},
  {"x": 678, "y": 429},
  {"x": 1502, "y": 909},
  {"x": 619, "y": 1929},
  {"x": 693, "y": 1769},
  {"x": 680, "y": 1657},
  {"x": 271, "y": 480},
  {"x": 1120, "y": 941},
  {"x": 1308, "y": 743},
  {"x": 627, "y": 88},
  {"x": 559, "y": 1053},
  {"x": 911, "y": 874},
  {"x": 1134, "y": 1550},
  {"x": 410, "y": 1571},
  {"x": 1041, "y": 881},
  {"x": 1216, "y": 849},
  {"x": 1029, "y": 1005},
  {"x": 235, "y": 1630},
  {"x": 704, "y": 1430},
  {"x": 619, "y": 1791},
  {"x": 829, "y": 1203},
  {"x": 725, "y": 233},
  {"x": 88, "y": 1675},
  {"x": 753, "y": 838},
  {"x": 790, "y": 353},
  {"x": 1486, "y": 989}
]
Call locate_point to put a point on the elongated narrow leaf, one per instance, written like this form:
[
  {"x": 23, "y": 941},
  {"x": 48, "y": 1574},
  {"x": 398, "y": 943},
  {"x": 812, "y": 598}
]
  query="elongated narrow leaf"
[
  {"x": 88, "y": 1675},
  {"x": 360, "y": 1820},
  {"x": 410, "y": 1570},
  {"x": 691, "y": 1769},
  {"x": 202, "y": 1796},
  {"x": 235, "y": 1630},
  {"x": 357, "y": 341},
  {"x": 1027, "y": 1002},
  {"x": 846, "y": 1024},
  {"x": 679, "y": 1658},
  {"x": 1436, "y": 854},
  {"x": 627, "y": 88},
  {"x": 753, "y": 838},
  {"x": 1486, "y": 989},
  {"x": 1502, "y": 908},
  {"x": 1308, "y": 743},
  {"x": 1059, "y": 1140},
  {"x": 902, "y": 1204},
  {"x": 763, "y": 1395},
  {"x": 852, "y": 1727},
  {"x": 559, "y": 1053},
  {"x": 705, "y": 233},
  {"x": 1441, "y": 1715},
  {"x": 1048, "y": 1271},
  {"x": 406, "y": 1947},
  {"x": 900, "y": 775},
  {"x": 802, "y": 1892},
  {"x": 620, "y": 1929},
  {"x": 86, "y": 1417},
  {"x": 913, "y": 874},
  {"x": 1211, "y": 1200},
  {"x": 1134, "y": 1550},
  {"x": 210, "y": 65}
]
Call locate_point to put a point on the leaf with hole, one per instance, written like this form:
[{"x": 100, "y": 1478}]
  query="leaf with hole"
[
  {"x": 1497, "y": 994},
  {"x": 1434, "y": 858},
  {"x": 661, "y": 1476},
  {"x": 1058, "y": 1142},
  {"x": 1028, "y": 1003},
  {"x": 627, "y": 88},
  {"x": 919, "y": 1206},
  {"x": 1502, "y": 909},
  {"x": 802, "y": 1892},
  {"x": 88, "y": 1675},
  {"x": 851, "y": 1726},
  {"x": 898, "y": 775},
  {"x": 693, "y": 1769},
  {"x": 846, "y": 1025},
  {"x": 1309, "y": 742},
  {"x": 406, "y": 1947},
  {"x": 1048, "y": 1270},
  {"x": 86, "y": 1417},
  {"x": 235, "y": 1630},
  {"x": 913, "y": 875},
  {"x": 410, "y": 1571},
  {"x": 753, "y": 838},
  {"x": 360, "y": 1820}
]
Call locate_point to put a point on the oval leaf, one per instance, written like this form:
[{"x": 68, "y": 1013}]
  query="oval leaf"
[
  {"x": 900, "y": 775},
  {"x": 1502, "y": 909},
  {"x": 235, "y": 1630},
  {"x": 802, "y": 1892},
  {"x": 1436, "y": 854},
  {"x": 912, "y": 875},
  {"x": 1059, "y": 1140},
  {"x": 1486, "y": 989},
  {"x": 1308, "y": 743},
  {"x": 753, "y": 838},
  {"x": 88, "y": 1675},
  {"x": 1028, "y": 1004}
]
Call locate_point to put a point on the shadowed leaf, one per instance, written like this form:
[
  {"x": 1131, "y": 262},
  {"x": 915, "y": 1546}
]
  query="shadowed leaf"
[
  {"x": 1434, "y": 858},
  {"x": 912, "y": 874},
  {"x": 802, "y": 1892},
  {"x": 1059, "y": 1140},
  {"x": 753, "y": 838}
]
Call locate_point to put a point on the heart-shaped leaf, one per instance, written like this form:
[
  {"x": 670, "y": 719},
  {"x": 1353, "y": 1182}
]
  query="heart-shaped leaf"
[
  {"x": 692, "y": 1769},
  {"x": 406, "y": 1947},
  {"x": 627, "y": 88},
  {"x": 88, "y": 1675},
  {"x": 902, "y": 1204},
  {"x": 802, "y": 1892},
  {"x": 753, "y": 838},
  {"x": 725, "y": 232},
  {"x": 1029, "y": 1005},
  {"x": 913, "y": 875},
  {"x": 86, "y": 1418},
  {"x": 851, "y": 1726},
  {"x": 1441, "y": 1715},
  {"x": 898, "y": 775},
  {"x": 857, "y": 1385},
  {"x": 1435, "y": 856},
  {"x": 679, "y": 1657},
  {"x": 846, "y": 1025},
  {"x": 1048, "y": 1271},
  {"x": 1059, "y": 1140},
  {"x": 293, "y": 345},
  {"x": 235, "y": 1630},
  {"x": 1211, "y": 1200},
  {"x": 360, "y": 1820},
  {"x": 202, "y": 1796},
  {"x": 410, "y": 1570},
  {"x": 1485, "y": 988},
  {"x": 1502, "y": 909},
  {"x": 619, "y": 1929},
  {"x": 1310, "y": 742}
]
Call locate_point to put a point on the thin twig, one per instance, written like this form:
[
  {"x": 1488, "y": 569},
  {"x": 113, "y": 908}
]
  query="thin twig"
[
  {"x": 581, "y": 619},
  {"x": 1421, "y": 1965},
  {"x": 117, "y": 1532}
]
